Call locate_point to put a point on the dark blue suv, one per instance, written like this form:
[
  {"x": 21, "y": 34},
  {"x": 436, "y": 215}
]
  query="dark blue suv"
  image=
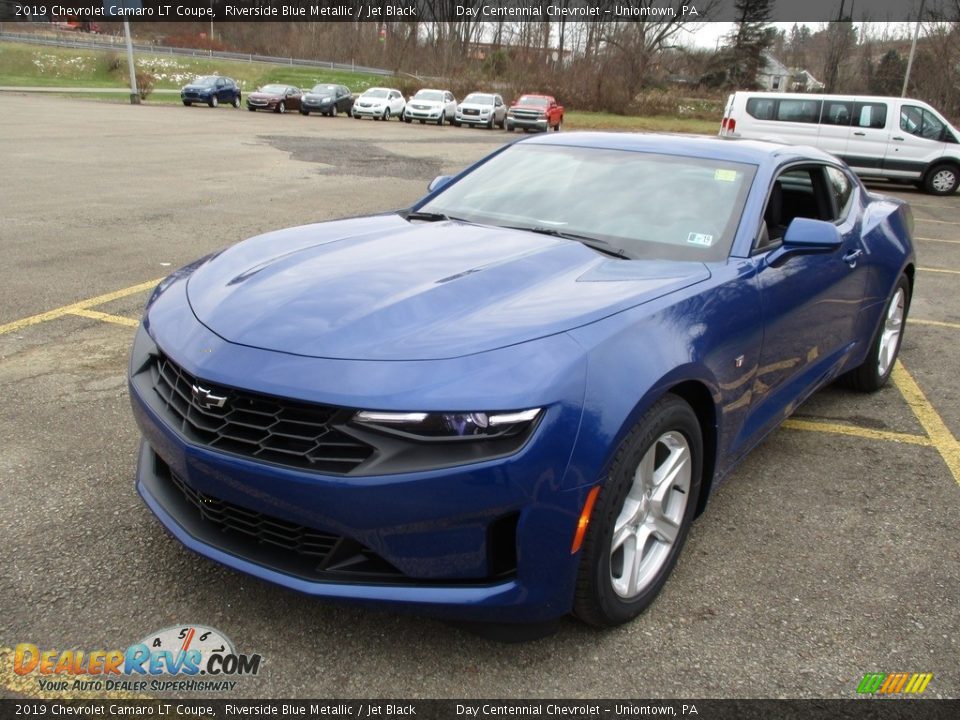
[{"x": 212, "y": 90}]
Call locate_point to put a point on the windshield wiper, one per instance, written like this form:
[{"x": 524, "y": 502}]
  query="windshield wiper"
[
  {"x": 594, "y": 243},
  {"x": 425, "y": 216}
]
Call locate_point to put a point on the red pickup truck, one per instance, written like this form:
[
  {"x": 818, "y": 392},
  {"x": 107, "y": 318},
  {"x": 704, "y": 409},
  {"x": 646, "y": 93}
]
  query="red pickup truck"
[{"x": 535, "y": 112}]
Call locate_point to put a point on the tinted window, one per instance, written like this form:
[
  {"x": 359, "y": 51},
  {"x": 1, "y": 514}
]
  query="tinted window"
[
  {"x": 870, "y": 115},
  {"x": 761, "y": 108},
  {"x": 807, "y": 111},
  {"x": 836, "y": 113},
  {"x": 842, "y": 189},
  {"x": 628, "y": 199},
  {"x": 920, "y": 122}
]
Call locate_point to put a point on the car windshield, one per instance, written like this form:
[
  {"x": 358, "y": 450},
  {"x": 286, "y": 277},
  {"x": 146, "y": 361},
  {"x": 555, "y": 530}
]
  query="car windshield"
[
  {"x": 532, "y": 100},
  {"x": 376, "y": 93},
  {"x": 274, "y": 89},
  {"x": 479, "y": 99},
  {"x": 429, "y": 95},
  {"x": 324, "y": 89},
  {"x": 205, "y": 81},
  {"x": 643, "y": 205}
]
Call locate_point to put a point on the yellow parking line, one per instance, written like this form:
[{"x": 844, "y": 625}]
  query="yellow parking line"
[
  {"x": 27, "y": 685},
  {"x": 940, "y": 270},
  {"x": 72, "y": 308},
  {"x": 935, "y": 323},
  {"x": 952, "y": 242},
  {"x": 856, "y": 431},
  {"x": 940, "y": 435},
  {"x": 106, "y": 317}
]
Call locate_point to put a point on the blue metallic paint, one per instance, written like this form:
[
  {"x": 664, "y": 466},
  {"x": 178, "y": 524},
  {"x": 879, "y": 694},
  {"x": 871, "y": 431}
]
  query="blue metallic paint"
[{"x": 378, "y": 313}]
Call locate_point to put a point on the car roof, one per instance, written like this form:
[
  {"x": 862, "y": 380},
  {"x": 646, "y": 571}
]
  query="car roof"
[{"x": 754, "y": 152}]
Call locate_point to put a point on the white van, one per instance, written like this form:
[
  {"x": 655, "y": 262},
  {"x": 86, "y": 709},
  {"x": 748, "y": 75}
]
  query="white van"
[{"x": 878, "y": 137}]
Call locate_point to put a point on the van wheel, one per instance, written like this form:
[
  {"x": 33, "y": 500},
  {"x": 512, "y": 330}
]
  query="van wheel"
[{"x": 942, "y": 179}]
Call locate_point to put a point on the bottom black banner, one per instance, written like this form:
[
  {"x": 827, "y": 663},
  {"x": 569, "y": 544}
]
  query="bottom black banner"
[{"x": 873, "y": 709}]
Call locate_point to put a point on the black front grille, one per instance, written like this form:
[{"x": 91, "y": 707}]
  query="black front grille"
[
  {"x": 263, "y": 528},
  {"x": 285, "y": 432},
  {"x": 270, "y": 541},
  {"x": 471, "y": 112}
]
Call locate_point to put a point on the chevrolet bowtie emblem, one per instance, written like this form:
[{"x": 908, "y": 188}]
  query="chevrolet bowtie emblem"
[{"x": 205, "y": 399}]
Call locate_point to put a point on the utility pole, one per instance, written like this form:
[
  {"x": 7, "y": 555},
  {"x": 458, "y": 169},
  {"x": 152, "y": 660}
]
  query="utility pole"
[
  {"x": 913, "y": 50},
  {"x": 134, "y": 94}
]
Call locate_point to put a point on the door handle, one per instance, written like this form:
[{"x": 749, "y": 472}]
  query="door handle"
[
  {"x": 898, "y": 137},
  {"x": 860, "y": 133},
  {"x": 851, "y": 257}
]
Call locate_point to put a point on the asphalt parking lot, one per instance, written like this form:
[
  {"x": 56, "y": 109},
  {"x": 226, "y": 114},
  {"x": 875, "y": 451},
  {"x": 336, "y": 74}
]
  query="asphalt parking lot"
[{"x": 833, "y": 551}]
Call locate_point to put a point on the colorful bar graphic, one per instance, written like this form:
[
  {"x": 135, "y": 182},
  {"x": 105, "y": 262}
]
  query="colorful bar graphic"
[{"x": 894, "y": 683}]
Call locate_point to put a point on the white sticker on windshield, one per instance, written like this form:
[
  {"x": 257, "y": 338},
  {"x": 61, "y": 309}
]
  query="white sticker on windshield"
[{"x": 700, "y": 239}]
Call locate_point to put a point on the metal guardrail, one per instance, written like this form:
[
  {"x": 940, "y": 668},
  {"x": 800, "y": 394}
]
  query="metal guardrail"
[{"x": 110, "y": 42}]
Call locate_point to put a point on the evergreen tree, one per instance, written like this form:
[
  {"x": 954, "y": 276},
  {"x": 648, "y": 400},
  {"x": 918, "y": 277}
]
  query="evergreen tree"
[{"x": 749, "y": 39}]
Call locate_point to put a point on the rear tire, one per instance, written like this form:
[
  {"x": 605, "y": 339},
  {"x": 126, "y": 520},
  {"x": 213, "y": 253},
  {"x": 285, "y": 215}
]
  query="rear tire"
[
  {"x": 236, "y": 102},
  {"x": 642, "y": 515},
  {"x": 880, "y": 361},
  {"x": 942, "y": 179}
]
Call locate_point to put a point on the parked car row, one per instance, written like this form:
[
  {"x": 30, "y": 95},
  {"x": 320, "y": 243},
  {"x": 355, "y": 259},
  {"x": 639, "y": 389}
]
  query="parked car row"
[{"x": 480, "y": 109}]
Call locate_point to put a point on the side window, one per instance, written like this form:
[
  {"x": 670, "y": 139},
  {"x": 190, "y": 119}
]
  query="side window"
[
  {"x": 220, "y": 83},
  {"x": 920, "y": 122},
  {"x": 841, "y": 187},
  {"x": 836, "y": 113},
  {"x": 870, "y": 115},
  {"x": 797, "y": 192},
  {"x": 807, "y": 111},
  {"x": 760, "y": 108}
]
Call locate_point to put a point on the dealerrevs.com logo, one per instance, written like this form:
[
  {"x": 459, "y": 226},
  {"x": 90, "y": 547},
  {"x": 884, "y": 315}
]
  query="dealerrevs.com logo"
[{"x": 183, "y": 658}]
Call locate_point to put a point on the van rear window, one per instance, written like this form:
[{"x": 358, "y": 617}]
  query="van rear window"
[
  {"x": 761, "y": 108},
  {"x": 807, "y": 111}
]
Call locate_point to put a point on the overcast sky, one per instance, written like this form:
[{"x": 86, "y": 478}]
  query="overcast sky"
[{"x": 707, "y": 35}]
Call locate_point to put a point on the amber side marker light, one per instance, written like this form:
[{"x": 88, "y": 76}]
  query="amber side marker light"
[{"x": 584, "y": 520}]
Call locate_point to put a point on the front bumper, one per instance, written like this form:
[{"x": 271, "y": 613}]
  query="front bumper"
[
  {"x": 488, "y": 541},
  {"x": 368, "y": 111},
  {"x": 270, "y": 105},
  {"x": 322, "y": 105},
  {"x": 528, "y": 123},
  {"x": 473, "y": 119},
  {"x": 433, "y": 114}
]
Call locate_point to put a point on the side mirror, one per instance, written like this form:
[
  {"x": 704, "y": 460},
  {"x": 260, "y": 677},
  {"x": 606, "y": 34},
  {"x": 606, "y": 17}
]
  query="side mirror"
[
  {"x": 438, "y": 182},
  {"x": 805, "y": 236}
]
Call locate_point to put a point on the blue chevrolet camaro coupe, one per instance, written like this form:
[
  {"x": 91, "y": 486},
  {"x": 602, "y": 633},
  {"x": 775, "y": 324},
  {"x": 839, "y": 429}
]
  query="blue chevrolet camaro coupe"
[{"x": 508, "y": 402}]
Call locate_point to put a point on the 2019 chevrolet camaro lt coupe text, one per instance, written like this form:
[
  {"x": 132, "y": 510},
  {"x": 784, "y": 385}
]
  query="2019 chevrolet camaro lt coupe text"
[{"x": 509, "y": 401}]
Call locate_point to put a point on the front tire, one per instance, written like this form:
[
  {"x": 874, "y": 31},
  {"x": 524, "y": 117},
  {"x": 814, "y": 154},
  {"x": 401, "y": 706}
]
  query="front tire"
[
  {"x": 556, "y": 128},
  {"x": 333, "y": 110},
  {"x": 642, "y": 515},
  {"x": 880, "y": 361},
  {"x": 509, "y": 127},
  {"x": 304, "y": 112},
  {"x": 213, "y": 101},
  {"x": 282, "y": 107},
  {"x": 942, "y": 179},
  {"x": 187, "y": 103},
  {"x": 386, "y": 114}
]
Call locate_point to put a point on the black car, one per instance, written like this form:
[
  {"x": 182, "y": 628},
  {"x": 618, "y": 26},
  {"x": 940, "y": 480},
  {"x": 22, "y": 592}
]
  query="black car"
[
  {"x": 327, "y": 99},
  {"x": 211, "y": 90}
]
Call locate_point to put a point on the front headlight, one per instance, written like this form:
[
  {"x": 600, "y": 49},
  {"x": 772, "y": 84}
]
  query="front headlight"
[{"x": 450, "y": 425}]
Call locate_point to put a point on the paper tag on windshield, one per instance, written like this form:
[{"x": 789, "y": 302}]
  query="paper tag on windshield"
[
  {"x": 725, "y": 175},
  {"x": 700, "y": 239}
]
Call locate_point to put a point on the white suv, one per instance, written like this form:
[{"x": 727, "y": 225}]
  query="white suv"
[
  {"x": 436, "y": 106},
  {"x": 380, "y": 104},
  {"x": 484, "y": 109}
]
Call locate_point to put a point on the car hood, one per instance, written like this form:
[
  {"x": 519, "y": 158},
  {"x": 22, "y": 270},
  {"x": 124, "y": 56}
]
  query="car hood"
[
  {"x": 431, "y": 103},
  {"x": 538, "y": 108},
  {"x": 382, "y": 288},
  {"x": 475, "y": 106},
  {"x": 264, "y": 96},
  {"x": 201, "y": 88},
  {"x": 317, "y": 96}
]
